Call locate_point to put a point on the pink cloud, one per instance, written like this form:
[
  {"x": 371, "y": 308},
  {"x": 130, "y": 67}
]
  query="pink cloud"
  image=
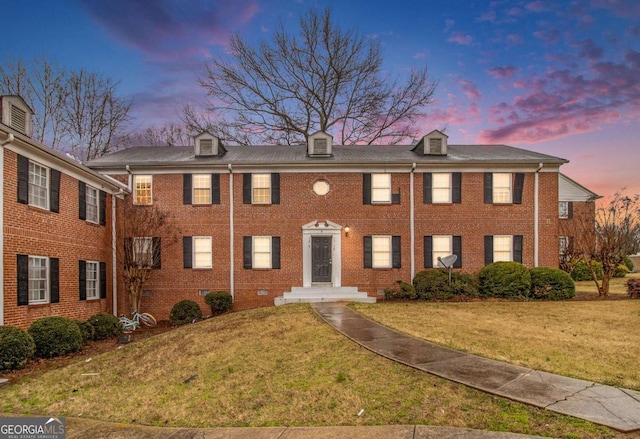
[
  {"x": 470, "y": 89},
  {"x": 514, "y": 39},
  {"x": 502, "y": 72},
  {"x": 460, "y": 38},
  {"x": 535, "y": 6}
]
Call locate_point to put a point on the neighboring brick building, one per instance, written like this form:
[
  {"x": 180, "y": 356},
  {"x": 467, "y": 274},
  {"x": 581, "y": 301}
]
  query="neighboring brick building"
[
  {"x": 320, "y": 221},
  {"x": 56, "y": 228}
]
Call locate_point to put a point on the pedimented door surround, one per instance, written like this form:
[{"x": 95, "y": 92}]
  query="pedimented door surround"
[{"x": 320, "y": 228}]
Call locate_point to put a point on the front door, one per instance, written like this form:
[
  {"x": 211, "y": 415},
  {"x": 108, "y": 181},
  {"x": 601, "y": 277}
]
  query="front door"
[{"x": 321, "y": 258}]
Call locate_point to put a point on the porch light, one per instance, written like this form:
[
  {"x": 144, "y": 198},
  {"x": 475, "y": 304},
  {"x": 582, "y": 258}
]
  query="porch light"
[{"x": 346, "y": 230}]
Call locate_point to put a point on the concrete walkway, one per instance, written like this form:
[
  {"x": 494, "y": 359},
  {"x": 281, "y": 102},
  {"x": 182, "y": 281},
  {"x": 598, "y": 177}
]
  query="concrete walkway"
[{"x": 606, "y": 405}]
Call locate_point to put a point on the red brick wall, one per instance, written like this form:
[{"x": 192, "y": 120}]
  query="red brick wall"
[
  {"x": 37, "y": 232},
  {"x": 343, "y": 205}
]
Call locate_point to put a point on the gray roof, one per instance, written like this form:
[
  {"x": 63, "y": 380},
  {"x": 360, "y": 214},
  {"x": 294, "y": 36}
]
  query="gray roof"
[{"x": 342, "y": 155}]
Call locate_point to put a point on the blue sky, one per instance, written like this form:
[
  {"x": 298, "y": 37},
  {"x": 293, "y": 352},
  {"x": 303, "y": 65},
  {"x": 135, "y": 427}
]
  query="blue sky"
[{"x": 558, "y": 77}]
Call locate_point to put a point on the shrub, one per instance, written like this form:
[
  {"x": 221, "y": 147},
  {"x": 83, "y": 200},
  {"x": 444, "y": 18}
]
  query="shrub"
[
  {"x": 551, "y": 284},
  {"x": 505, "y": 279},
  {"x": 581, "y": 270},
  {"x": 464, "y": 285},
  {"x": 55, "y": 336},
  {"x": 219, "y": 301},
  {"x": 16, "y": 347},
  {"x": 106, "y": 325},
  {"x": 432, "y": 284},
  {"x": 401, "y": 290},
  {"x": 87, "y": 330},
  {"x": 628, "y": 263},
  {"x": 621, "y": 271},
  {"x": 633, "y": 287},
  {"x": 185, "y": 311}
]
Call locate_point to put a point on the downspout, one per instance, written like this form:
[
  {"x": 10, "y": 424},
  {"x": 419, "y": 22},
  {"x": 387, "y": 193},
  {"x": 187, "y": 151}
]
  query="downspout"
[
  {"x": 231, "y": 232},
  {"x": 536, "y": 221},
  {"x": 9, "y": 139},
  {"x": 412, "y": 221},
  {"x": 114, "y": 262}
]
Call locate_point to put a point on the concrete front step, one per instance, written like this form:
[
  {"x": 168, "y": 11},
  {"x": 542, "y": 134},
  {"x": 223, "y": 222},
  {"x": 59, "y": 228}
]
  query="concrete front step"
[{"x": 323, "y": 294}]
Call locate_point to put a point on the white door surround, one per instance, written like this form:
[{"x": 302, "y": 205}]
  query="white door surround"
[{"x": 322, "y": 228}]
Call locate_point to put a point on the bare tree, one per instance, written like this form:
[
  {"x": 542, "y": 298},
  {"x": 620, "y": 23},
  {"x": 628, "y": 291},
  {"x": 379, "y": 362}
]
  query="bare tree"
[
  {"x": 169, "y": 134},
  {"x": 146, "y": 230},
  {"x": 324, "y": 78},
  {"x": 75, "y": 111},
  {"x": 616, "y": 231}
]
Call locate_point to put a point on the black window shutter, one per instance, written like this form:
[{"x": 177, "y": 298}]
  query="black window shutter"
[
  {"x": 570, "y": 244},
  {"x": 247, "y": 251},
  {"x": 215, "y": 188},
  {"x": 428, "y": 252},
  {"x": 517, "y": 248},
  {"x": 570, "y": 213},
  {"x": 23, "y": 280},
  {"x": 517, "y": 188},
  {"x": 275, "y": 252},
  {"x": 366, "y": 188},
  {"x": 488, "y": 187},
  {"x": 157, "y": 252},
  {"x": 395, "y": 198},
  {"x": 187, "y": 252},
  {"x": 488, "y": 249},
  {"x": 368, "y": 252},
  {"x": 427, "y": 188},
  {"x": 396, "y": 252},
  {"x": 103, "y": 280},
  {"x": 23, "y": 182},
  {"x": 54, "y": 194},
  {"x": 186, "y": 188},
  {"x": 103, "y": 208},
  {"x": 54, "y": 280},
  {"x": 275, "y": 188},
  {"x": 457, "y": 250},
  {"x": 246, "y": 188},
  {"x": 82, "y": 200},
  {"x": 456, "y": 187},
  {"x": 82, "y": 279},
  {"x": 128, "y": 251}
]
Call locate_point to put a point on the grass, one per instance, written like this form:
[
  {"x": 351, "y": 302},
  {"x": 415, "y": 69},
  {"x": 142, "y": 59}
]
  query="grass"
[
  {"x": 594, "y": 340},
  {"x": 269, "y": 367}
]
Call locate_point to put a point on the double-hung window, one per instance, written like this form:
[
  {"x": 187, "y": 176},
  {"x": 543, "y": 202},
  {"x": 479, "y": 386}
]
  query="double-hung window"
[
  {"x": 502, "y": 248},
  {"x": 38, "y": 185},
  {"x": 381, "y": 188},
  {"x": 142, "y": 252},
  {"x": 142, "y": 189},
  {"x": 502, "y": 188},
  {"x": 441, "y": 189},
  {"x": 202, "y": 189},
  {"x": 261, "y": 252},
  {"x": 442, "y": 247},
  {"x": 260, "y": 188},
  {"x": 565, "y": 209},
  {"x": 92, "y": 202},
  {"x": 202, "y": 252},
  {"x": 381, "y": 248},
  {"x": 92, "y": 280},
  {"x": 38, "y": 280}
]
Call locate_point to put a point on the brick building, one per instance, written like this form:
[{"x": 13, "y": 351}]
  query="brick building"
[
  {"x": 277, "y": 224},
  {"x": 56, "y": 227}
]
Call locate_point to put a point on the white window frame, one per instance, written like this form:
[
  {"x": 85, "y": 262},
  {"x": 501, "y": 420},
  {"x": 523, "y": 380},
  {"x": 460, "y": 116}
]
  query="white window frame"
[
  {"x": 138, "y": 192},
  {"x": 381, "y": 188},
  {"x": 33, "y": 185},
  {"x": 380, "y": 256},
  {"x": 503, "y": 254},
  {"x": 92, "y": 209},
  {"x": 563, "y": 244},
  {"x": 265, "y": 261},
  {"x": 441, "y": 240},
  {"x": 502, "y": 194},
  {"x": 201, "y": 186},
  {"x": 32, "y": 280},
  {"x": 563, "y": 209},
  {"x": 143, "y": 246},
  {"x": 260, "y": 182},
  {"x": 92, "y": 279},
  {"x": 205, "y": 250},
  {"x": 438, "y": 188}
]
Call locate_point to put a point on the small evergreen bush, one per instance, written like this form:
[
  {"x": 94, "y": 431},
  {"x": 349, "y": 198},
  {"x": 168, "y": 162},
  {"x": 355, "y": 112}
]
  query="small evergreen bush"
[
  {"x": 401, "y": 290},
  {"x": 219, "y": 301},
  {"x": 465, "y": 285},
  {"x": 621, "y": 271},
  {"x": 106, "y": 325},
  {"x": 55, "y": 336},
  {"x": 87, "y": 330},
  {"x": 628, "y": 263},
  {"x": 16, "y": 347},
  {"x": 551, "y": 284},
  {"x": 432, "y": 284},
  {"x": 581, "y": 272},
  {"x": 185, "y": 311},
  {"x": 508, "y": 280}
]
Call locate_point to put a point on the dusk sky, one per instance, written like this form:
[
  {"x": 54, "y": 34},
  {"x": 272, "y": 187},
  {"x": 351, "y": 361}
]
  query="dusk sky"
[{"x": 560, "y": 77}]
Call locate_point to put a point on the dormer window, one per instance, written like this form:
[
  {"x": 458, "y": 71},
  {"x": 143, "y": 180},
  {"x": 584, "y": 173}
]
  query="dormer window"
[
  {"x": 435, "y": 146},
  {"x": 434, "y": 143},
  {"x": 320, "y": 145},
  {"x": 16, "y": 113},
  {"x": 207, "y": 145},
  {"x": 18, "y": 119}
]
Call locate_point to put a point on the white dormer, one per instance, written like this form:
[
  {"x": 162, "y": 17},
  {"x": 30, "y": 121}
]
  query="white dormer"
[
  {"x": 435, "y": 143},
  {"x": 16, "y": 114},
  {"x": 207, "y": 145},
  {"x": 320, "y": 145}
]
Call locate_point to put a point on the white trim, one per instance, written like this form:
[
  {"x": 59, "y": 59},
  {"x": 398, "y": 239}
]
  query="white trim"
[
  {"x": 114, "y": 270},
  {"x": 2, "y": 235},
  {"x": 412, "y": 221},
  {"x": 193, "y": 252},
  {"x": 231, "y": 237},
  {"x": 322, "y": 228}
]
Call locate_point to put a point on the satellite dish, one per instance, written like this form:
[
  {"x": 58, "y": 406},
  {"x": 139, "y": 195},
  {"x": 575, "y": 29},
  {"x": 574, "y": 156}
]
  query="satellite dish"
[{"x": 447, "y": 261}]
